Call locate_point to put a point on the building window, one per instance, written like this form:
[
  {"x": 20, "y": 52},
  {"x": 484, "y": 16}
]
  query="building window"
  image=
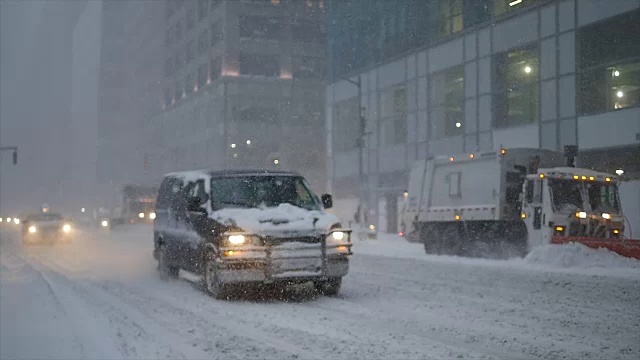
[
  {"x": 501, "y": 7},
  {"x": 609, "y": 65},
  {"x": 449, "y": 18},
  {"x": 189, "y": 83},
  {"x": 168, "y": 67},
  {"x": 308, "y": 32},
  {"x": 516, "y": 96},
  {"x": 447, "y": 102},
  {"x": 178, "y": 31},
  {"x": 203, "y": 40},
  {"x": 191, "y": 18},
  {"x": 202, "y": 75},
  {"x": 168, "y": 96},
  {"x": 260, "y": 27},
  {"x": 215, "y": 67},
  {"x": 189, "y": 52},
  {"x": 203, "y": 9},
  {"x": 393, "y": 112},
  {"x": 168, "y": 37},
  {"x": 178, "y": 90},
  {"x": 308, "y": 67},
  {"x": 216, "y": 33},
  {"x": 259, "y": 64},
  {"x": 179, "y": 61},
  {"x": 346, "y": 125}
]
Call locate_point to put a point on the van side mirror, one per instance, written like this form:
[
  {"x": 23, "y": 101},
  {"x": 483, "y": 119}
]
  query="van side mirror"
[{"x": 327, "y": 201}]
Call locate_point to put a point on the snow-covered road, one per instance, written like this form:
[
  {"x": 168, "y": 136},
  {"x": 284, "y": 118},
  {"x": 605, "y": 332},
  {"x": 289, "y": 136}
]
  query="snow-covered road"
[{"x": 100, "y": 297}]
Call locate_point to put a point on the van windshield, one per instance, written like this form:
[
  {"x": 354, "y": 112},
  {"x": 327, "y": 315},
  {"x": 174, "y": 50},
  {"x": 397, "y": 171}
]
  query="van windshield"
[{"x": 257, "y": 191}]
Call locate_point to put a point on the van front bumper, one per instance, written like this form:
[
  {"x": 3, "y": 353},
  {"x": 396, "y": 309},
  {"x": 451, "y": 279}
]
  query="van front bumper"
[{"x": 297, "y": 263}]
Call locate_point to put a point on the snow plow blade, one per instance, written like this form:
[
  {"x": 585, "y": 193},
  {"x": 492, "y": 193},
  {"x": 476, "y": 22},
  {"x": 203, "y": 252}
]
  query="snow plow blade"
[{"x": 624, "y": 247}]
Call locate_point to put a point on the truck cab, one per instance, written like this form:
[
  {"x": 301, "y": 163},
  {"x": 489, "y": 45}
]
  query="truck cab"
[{"x": 570, "y": 202}]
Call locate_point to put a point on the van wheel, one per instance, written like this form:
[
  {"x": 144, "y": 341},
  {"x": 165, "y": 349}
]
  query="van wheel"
[
  {"x": 210, "y": 279},
  {"x": 166, "y": 271},
  {"x": 330, "y": 287}
]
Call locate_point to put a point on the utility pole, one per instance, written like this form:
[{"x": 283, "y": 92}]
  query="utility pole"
[
  {"x": 363, "y": 181},
  {"x": 15, "y": 152}
]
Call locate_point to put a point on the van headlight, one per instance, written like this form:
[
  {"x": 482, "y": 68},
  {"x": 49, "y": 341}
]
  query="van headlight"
[{"x": 236, "y": 239}]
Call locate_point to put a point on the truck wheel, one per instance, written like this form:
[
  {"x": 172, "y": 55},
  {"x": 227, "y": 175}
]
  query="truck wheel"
[
  {"x": 451, "y": 240},
  {"x": 431, "y": 239},
  {"x": 166, "y": 271},
  {"x": 211, "y": 283},
  {"x": 330, "y": 287}
]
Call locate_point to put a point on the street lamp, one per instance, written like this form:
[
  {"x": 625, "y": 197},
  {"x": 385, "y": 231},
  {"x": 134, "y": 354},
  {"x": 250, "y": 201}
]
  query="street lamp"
[{"x": 364, "y": 184}]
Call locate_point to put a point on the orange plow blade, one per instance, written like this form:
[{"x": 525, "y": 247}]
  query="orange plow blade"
[{"x": 624, "y": 247}]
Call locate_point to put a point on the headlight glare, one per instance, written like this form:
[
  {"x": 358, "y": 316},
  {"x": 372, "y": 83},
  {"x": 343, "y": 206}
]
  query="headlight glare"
[
  {"x": 606, "y": 216},
  {"x": 236, "y": 239},
  {"x": 337, "y": 235},
  {"x": 141, "y": 215},
  {"x": 152, "y": 216},
  {"x": 66, "y": 228},
  {"x": 32, "y": 229},
  {"x": 104, "y": 223}
]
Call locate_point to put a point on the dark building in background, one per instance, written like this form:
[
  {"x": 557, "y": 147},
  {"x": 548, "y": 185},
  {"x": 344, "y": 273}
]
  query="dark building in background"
[
  {"x": 243, "y": 86},
  {"x": 445, "y": 77},
  {"x": 132, "y": 48}
]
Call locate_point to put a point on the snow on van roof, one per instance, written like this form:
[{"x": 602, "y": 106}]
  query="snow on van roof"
[{"x": 195, "y": 174}]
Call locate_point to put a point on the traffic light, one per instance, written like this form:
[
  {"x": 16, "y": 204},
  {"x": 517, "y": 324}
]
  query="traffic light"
[{"x": 15, "y": 157}]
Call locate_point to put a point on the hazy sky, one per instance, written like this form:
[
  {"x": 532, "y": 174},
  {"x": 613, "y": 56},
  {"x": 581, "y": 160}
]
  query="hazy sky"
[{"x": 40, "y": 70}]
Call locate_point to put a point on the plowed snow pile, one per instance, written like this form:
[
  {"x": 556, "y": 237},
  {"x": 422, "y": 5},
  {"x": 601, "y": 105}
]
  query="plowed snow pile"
[{"x": 576, "y": 255}]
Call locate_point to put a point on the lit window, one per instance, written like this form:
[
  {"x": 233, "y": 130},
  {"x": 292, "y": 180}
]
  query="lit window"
[
  {"x": 609, "y": 69},
  {"x": 516, "y": 96},
  {"x": 447, "y": 101}
]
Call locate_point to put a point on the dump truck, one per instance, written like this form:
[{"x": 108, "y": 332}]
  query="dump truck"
[
  {"x": 133, "y": 204},
  {"x": 504, "y": 203}
]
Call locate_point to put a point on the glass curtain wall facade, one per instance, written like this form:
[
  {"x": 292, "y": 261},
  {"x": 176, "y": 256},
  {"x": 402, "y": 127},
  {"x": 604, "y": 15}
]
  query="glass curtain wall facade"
[{"x": 478, "y": 75}]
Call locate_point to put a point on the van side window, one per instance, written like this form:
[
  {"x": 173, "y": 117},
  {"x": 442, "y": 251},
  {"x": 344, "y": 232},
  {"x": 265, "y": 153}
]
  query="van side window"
[
  {"x": 196, "y": 189},
  {"x": 165, "y": 193}
]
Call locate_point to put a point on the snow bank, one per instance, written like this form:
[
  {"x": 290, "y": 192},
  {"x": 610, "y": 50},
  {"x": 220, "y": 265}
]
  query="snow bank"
[
  {"x": 576, "y": 255},
  {"x": 571, "y": 258}
]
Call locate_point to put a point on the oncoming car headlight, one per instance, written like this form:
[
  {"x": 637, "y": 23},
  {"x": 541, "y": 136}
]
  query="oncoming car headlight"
[
  {"x": 152, "y": 216},
  {"x": 66, "y": 228},
  {"x": 141, "y": 215},
  {"x": 104, "y": 223},
  {"x": 32, "y": 229}
]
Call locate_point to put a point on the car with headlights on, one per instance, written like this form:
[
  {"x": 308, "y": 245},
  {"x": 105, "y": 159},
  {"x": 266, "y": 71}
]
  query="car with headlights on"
[
  {"x": 46, "y": 227},
  {"x": 236, "y": 229}
]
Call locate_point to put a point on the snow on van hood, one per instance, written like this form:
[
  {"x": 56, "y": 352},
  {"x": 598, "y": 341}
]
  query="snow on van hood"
[{"x": 283, "y": 219}]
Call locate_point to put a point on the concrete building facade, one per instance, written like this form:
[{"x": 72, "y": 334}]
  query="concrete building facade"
[{"x": 243, "y": 86}]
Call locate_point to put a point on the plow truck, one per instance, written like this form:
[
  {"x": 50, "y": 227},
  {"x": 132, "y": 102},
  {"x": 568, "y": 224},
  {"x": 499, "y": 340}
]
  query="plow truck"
[{"x": 505, "y": 203}]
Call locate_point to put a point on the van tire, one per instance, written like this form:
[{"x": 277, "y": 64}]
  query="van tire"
[
  {"x": 210, "y": 281},
  {"x": 166, "y": 271}
]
